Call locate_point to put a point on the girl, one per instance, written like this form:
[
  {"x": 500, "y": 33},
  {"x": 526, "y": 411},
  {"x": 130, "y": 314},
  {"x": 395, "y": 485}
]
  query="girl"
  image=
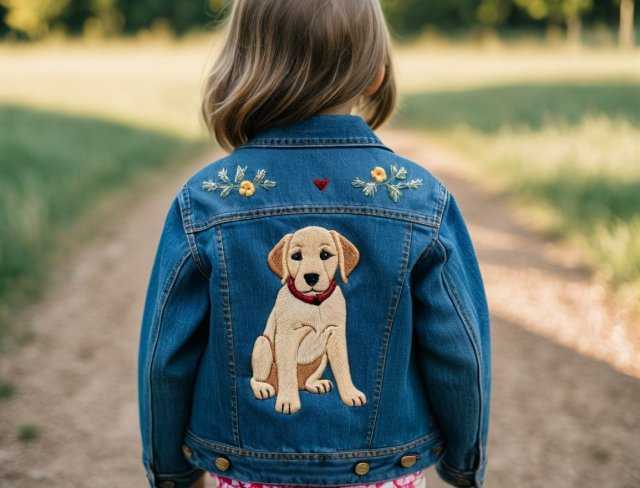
[{"x": 315, "y": 315}]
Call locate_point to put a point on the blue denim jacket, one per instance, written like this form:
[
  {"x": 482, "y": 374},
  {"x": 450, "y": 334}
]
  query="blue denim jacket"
[{"x": 315, "y": 316}]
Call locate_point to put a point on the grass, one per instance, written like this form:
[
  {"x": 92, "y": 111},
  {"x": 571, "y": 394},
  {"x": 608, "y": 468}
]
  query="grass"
[
  {"x": 570, "y": 152},
  {"x": 526, "y": 106},
  {"x": 7, "y": 390},
  {"x": 150, "y": 84},
  {"x": 28, "y": 432},
  {"x": 54, "y": 168}
]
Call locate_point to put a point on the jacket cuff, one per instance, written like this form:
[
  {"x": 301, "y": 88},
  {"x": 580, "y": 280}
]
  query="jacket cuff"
[
  {"x": 180, "y": 480},
  {"x": 462, "y": 479}
]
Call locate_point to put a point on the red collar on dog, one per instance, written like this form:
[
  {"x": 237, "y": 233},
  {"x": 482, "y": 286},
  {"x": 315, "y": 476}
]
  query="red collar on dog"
[{"x": 311, "y": 299}]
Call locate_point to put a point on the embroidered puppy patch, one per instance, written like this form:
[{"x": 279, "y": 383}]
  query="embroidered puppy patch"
[
  {"x": 394, "y": 184},
  {"x": 306, "y": 329}
]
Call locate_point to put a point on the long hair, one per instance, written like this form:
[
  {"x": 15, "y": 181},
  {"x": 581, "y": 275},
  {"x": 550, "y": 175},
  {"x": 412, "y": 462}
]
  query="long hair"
[{"x": 286, "y": 60}]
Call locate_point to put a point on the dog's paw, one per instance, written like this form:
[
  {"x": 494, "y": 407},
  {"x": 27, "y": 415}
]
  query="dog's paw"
[
  {"x": 262, "y": 390},
  {"x": 287, "y": 406},
  {"x": 319, "y": 386},
  {"x": 353, "y": 397}
]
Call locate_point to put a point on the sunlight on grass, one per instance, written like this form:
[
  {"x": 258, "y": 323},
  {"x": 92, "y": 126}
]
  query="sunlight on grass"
[
  {"x": 584, "y": 179},
  {"x": 530, "y": 105},
  {"x": 154, "y": 85},
  {"x": 440, "y": 66}
]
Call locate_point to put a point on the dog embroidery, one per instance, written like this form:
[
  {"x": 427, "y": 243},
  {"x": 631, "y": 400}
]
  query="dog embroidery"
[{"x": 306, "y": 329}]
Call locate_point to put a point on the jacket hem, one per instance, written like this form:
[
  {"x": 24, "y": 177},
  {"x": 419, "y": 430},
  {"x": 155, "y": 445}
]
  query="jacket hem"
[{"x": 313, "y": 468}]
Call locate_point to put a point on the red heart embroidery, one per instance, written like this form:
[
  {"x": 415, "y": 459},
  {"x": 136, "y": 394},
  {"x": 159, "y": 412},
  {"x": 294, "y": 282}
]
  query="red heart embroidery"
[{"x": 321, "y": 184}]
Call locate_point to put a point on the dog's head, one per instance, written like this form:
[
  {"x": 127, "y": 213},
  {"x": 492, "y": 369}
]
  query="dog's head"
[{"x": 312, "y": 256}]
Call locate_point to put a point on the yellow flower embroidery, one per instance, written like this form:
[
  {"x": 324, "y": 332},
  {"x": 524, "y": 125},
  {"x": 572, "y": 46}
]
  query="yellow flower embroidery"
[
  {"x": 225, "y": 185},
  {"x": 394, "y": 185},
  {"x": 379, "y": 174},
  {"x": 247, "y": 188}
]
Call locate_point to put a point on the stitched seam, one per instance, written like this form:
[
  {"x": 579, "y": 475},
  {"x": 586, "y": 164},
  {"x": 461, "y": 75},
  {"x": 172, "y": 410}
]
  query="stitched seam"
[
  {"x": 454, "y": 471},
  {"x": 455, "y": 479},
  {"x": 306, "y": 141},
  {"x": 226, "y": 312},
  {"x": 184, "y": 201},
  {"x": 427, "y": 251},
  {"x": 457, "y": 303},
  {"x": 316, "y": 146},
  {"x": 308, "y": 456},
  {"x": 391, "y": 314},
  {"x": 441, "y": 203},
  {"x": 353, "y": 209},
  {"x": 178, "y": 475},
  {"x": 157, "y": 329}
]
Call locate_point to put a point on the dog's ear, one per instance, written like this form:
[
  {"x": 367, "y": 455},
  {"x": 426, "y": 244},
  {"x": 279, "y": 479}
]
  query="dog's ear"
[
  {"x": 348, "y": 255},
  {"x": 278, "y": 258}
]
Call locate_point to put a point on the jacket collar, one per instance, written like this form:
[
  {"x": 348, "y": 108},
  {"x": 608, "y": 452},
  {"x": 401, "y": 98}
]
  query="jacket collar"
[{"x": 319, "y": 130}]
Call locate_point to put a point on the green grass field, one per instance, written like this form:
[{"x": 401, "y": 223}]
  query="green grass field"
[
  {"x": 569, "y": 151},
  {"x": 54, "y": 169}
]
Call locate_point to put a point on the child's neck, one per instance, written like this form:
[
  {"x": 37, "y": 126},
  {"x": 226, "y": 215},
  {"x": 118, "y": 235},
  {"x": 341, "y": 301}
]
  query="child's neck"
[{"x": 344, "y": 109}]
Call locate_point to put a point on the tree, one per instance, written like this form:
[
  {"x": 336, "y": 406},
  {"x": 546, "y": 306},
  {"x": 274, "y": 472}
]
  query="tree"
[
  {"x": 493, "y": 13},
  {"x": 627, "y": 31},
  {"x": 568, "y": 12},
  {"x": 572, "y": 11},
  {"x": 33, "y": 17}
]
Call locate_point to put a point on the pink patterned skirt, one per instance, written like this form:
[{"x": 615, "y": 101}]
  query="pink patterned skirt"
[{"x": 415, "y": 480}]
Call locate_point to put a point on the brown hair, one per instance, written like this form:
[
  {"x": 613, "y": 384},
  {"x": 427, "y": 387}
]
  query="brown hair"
[{"x": 286, "y": 60}]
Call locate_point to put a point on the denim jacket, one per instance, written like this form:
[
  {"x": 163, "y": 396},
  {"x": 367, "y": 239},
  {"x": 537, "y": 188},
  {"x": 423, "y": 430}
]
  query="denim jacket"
[{"x": 315, "y": 316}]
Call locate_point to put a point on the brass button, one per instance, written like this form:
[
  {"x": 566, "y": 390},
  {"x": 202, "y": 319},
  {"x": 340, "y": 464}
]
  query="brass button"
[
  {"x": 437, "y": 450},
  {"x": 167, "y": 484},
  {"x": 362, "y": 468},
  {"x": 187, "y": 452},
  {"x": 223, "y": 464},
  {"x": 408, "y": 460}
]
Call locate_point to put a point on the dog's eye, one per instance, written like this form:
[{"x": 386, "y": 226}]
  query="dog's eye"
[
  {"x": 297, "y": 256},
  {"x": 324, "y": 255}
]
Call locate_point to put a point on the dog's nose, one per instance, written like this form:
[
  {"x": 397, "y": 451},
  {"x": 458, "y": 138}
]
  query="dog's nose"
[{"x": 311, "y": 278}]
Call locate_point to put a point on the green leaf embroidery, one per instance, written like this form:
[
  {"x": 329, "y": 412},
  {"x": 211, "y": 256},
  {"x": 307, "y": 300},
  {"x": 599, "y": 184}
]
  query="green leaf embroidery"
[
  {"x": 222, "y": 175},
  {"x": 260, "y": 176},
  {"x": 394, "y": 192},
  {"x": 394, "y": 184},
  {"x": 358, "y": 183},
  {"x": 243, "y": 186},
  {"x": 240, "y": 171}
]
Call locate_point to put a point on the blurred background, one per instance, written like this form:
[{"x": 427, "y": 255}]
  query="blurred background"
[{"x": 529, "y": 110}]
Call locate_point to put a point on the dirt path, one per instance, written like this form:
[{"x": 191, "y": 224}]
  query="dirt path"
[{"x": 559, "y": 417}]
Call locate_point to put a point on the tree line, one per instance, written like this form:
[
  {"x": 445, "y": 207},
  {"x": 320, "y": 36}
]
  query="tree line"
[{"x": 33, "y": 19}]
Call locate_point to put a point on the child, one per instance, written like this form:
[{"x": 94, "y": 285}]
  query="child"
[{"x": 315, "y": 315}]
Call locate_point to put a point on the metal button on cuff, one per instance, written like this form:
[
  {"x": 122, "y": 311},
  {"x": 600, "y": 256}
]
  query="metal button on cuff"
[
  {"x": 362, "y": 468},
  {"x": 222, "y": 463},
  {"x": 408, "y": 461}
]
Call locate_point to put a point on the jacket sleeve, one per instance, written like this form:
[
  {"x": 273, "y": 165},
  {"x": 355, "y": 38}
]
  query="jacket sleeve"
[
  {"x": 453, "y": 336},
  {"x": 174, "y": 334}
]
